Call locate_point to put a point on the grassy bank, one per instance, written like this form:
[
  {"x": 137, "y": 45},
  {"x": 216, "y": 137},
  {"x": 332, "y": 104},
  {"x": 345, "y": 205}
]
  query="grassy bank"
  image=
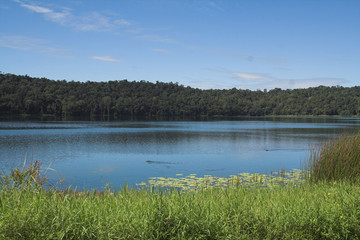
[
  {"x": 309, "y": 211},
  {"x": 323, "y": 203}
]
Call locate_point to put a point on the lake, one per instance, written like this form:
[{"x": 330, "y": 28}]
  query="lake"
[{"x": 91, "y": 154}]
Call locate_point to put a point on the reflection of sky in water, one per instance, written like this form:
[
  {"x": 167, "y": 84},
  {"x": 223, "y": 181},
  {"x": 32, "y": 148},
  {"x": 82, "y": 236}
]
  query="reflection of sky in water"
[{"x": 89, "y": 154}]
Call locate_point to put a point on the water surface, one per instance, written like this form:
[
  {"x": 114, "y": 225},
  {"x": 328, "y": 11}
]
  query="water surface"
[{"x": 91, "y": 154}]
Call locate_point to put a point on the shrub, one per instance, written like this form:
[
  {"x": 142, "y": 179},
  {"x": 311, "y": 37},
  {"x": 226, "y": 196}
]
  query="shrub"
[{"x": 26, "y": 177}]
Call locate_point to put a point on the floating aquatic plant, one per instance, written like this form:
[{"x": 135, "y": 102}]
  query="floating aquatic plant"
[{"x": 191, "y": 182}]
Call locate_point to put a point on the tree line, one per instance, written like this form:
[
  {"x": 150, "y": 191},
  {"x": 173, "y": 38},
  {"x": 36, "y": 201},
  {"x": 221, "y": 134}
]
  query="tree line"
[{"x": 28, "y": 95}]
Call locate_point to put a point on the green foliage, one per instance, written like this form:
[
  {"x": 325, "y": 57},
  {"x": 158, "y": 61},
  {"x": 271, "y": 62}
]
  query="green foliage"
[
  {"x": 308, "y": 211},
  {"x": 118, "y": 99},
  {"x": 336, "y": 160},
  {"x": 24, "y": 178}
]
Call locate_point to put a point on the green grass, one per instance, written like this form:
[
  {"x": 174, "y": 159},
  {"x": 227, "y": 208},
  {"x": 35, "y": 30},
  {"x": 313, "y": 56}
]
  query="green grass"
[
  {"x": 337, "y": 159},
  {"x": 308, "y": 211},
  {"x": 322, "y": 203}
]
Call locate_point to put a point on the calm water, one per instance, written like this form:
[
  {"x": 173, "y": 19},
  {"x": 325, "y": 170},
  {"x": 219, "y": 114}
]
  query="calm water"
[{"x": 91, "y": 154}]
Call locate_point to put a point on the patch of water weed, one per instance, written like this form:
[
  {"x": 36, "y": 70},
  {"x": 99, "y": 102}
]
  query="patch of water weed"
[{"x": 191, "y": 182}]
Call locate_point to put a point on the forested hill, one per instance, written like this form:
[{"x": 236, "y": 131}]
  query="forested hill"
[{"x": 27, "y": 95}]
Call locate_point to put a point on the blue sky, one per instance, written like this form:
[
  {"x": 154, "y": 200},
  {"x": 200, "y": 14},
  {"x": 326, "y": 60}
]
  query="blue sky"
[{"x": 218, "y": 44}]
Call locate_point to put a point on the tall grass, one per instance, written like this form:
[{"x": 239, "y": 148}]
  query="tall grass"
[
  {"x": 310, "y": 211},
  {"x": 336, "y": 160}
]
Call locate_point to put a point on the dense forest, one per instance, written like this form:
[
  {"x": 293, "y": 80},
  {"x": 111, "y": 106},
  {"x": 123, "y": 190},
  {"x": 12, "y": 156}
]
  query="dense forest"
[{"x": 116, "y": 99}]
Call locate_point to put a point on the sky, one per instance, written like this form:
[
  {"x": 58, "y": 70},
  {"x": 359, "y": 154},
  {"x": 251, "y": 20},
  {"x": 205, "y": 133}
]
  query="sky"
[{"x": 217, "y": 44}]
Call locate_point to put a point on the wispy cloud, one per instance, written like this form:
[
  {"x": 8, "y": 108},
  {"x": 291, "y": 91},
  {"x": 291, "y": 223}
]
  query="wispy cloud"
[
  {"x": 261, "y": 81},
  {"x": 215, "y": 5},
  {"x": 93, "y": 21},
  {"x": 37, "y": 9},
  {"x": 309, "y": 82},
  {"x": 160, "y": 50},
  {"x": 284, "y": 69},
  {"x": 156, "y": 38},
  {"x": 105, "y": 58},
  {"x": 248, "y": 76},
  {"x": 29, "y": 44},
  {"x": 62, "y": 17},
  {"x": 3, "y": 6},
  {"x": 122, "y": 22},
  {"x": 253, "y": 81},
  {"x": 248, "y": 57}
]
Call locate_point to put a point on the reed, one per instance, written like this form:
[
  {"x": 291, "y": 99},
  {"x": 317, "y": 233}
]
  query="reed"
[{"x": 336, "y": 160}]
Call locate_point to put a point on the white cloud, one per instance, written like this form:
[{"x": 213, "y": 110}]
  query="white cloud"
[
  {"x": 270, "y": 84},
  {"x": 37, "y": 9},
  {"x": 29, "y": 44},
  {"x": 105, "y": 58},
  {"x": 216, "y": 6},
  {"x": 160, "y": 50},
  {"x": 19, "y": 42},
  {"x": 310, "y": 82},
  {"x": 261, "y": 81},
  {"x": 122, "y": 22},
  {"x": 94, "y": 21},
  {"x": 254, "y": 81},
  {"x": 248, "y": 76},
  {"x": 156, "y": 38},
  {"x": 62, "y": 18},
  {"x": 59, "y": 17}
]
